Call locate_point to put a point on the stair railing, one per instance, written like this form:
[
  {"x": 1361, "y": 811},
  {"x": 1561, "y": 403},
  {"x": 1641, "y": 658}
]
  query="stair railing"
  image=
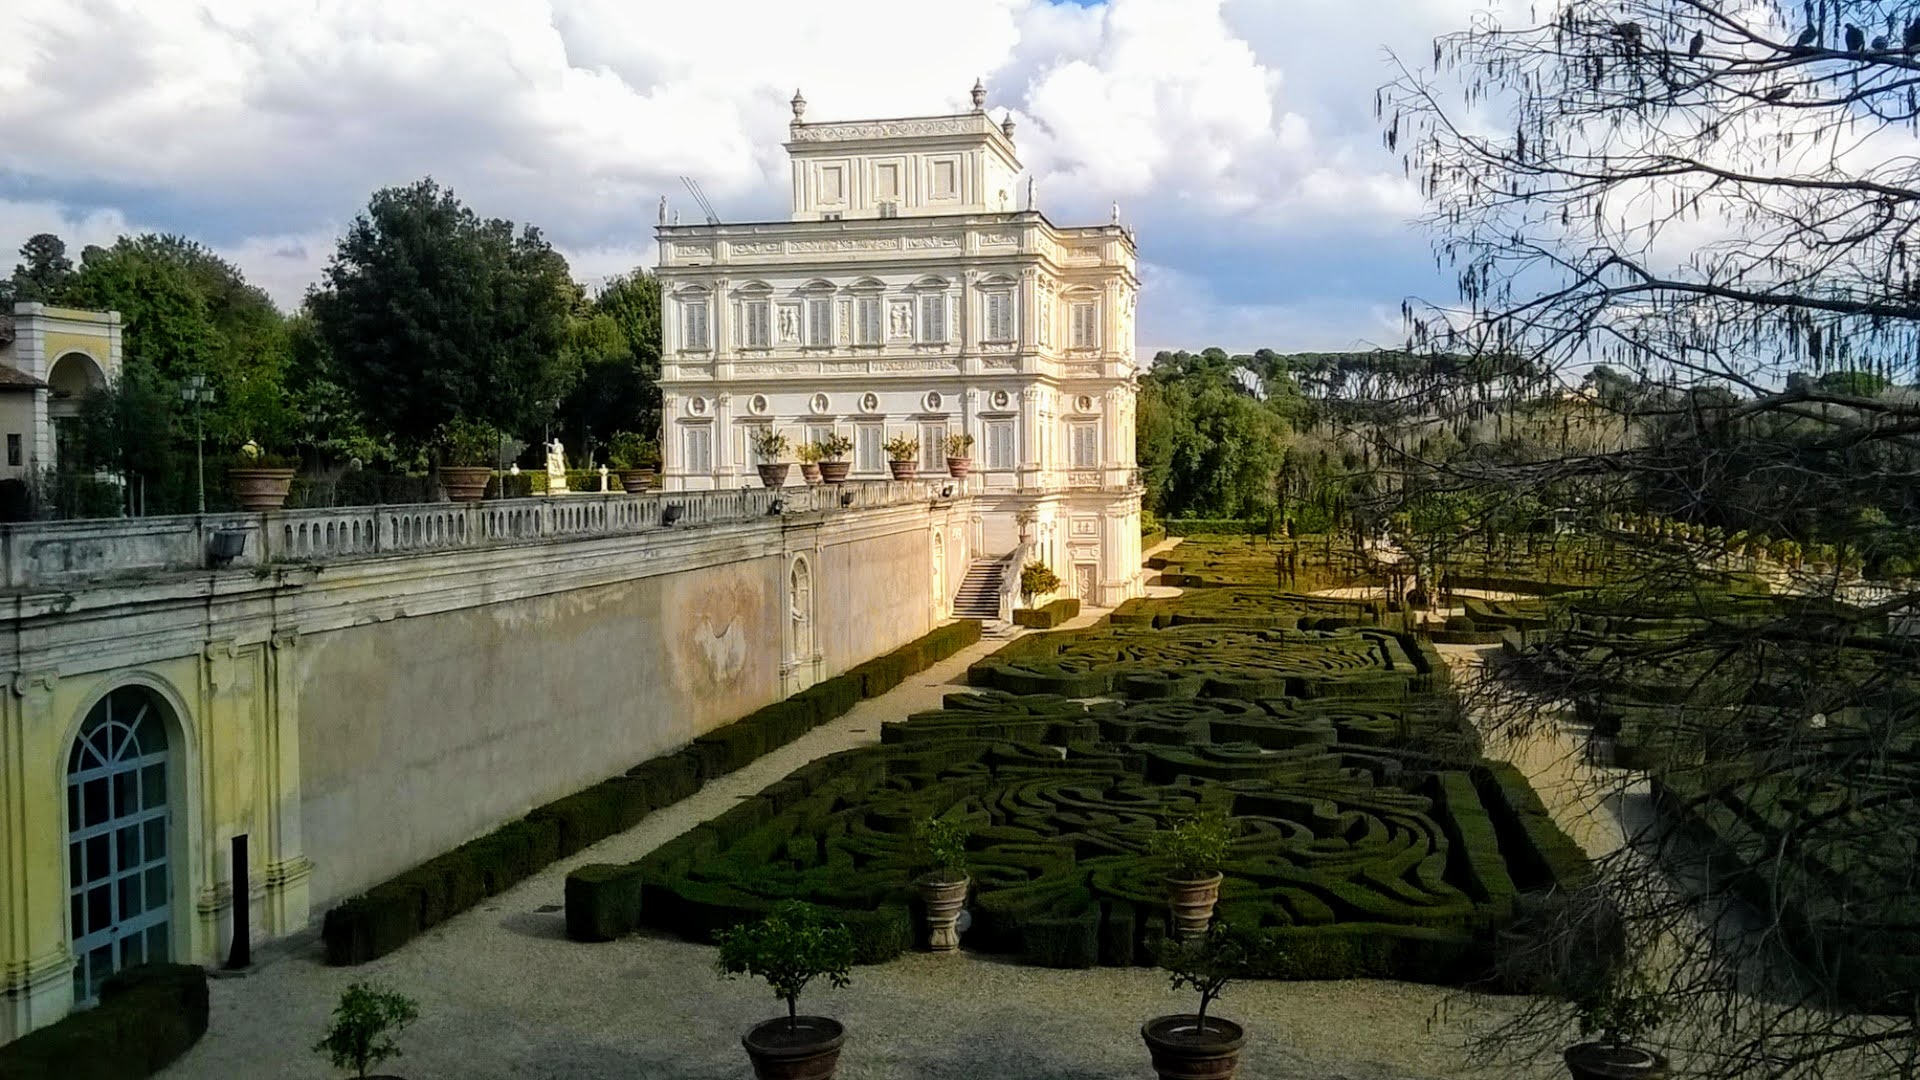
[{"x": 1010, "y": 565}]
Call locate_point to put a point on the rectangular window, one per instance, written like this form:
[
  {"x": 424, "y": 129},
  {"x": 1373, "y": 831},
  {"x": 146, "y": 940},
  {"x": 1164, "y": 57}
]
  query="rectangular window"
[
  {"x": 933, "y": 447},
  {"x": 693, "y": 325},
  {"x": 697, "y": 441},
  {"x": 1086, "y": 446},
  {"x": 999, "y": 316},
  {"x": 819, "y": 433},
  {"x": 819, "y": 321},
  {"x": 933, "y": 319},
  {"x": 1086, "y": 325},
  {"x": 868, "y": 454},
  {"x": 999, "y": 444},
  {"x": 946, "y": 179},
  {"x": 757, "y": 331},
  {"x": 833, "y": 184},
  {"x": 867, "y": 329},
  {"x": 886, "y": 181}
]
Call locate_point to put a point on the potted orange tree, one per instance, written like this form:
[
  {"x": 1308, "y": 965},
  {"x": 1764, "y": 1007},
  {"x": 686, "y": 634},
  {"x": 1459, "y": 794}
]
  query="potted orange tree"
[
  {"x": 943, "y": 889},
  {"x": 809, "y": 454},
  {"x": 790, "y": 948},
  {"x": 1037, "y": 579},
  {"x": 903, "y": 452},
  {"x": 1189, "y": 1045},
  {"x": 959, "y": 455},
  {"x": 768, "y": 445},
  {"x": 1194, "y": 846},
  {"x": 468, "y": 449},
  {"x": 635, "y": 457},
  {"x": 260, "y": 480},
  {"x": 833, "y": 458}
]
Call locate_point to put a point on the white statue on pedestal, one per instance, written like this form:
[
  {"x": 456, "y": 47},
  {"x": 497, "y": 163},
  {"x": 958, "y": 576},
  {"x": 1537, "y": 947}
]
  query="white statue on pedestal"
[{"x": 556, "y": 468}]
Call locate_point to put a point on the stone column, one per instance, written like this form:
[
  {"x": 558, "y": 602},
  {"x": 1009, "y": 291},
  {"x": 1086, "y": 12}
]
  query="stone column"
[
  {"x": 724, "y": 467},
  {"x": 36, "y": 965},
  {"x": 285, "y": 869}
]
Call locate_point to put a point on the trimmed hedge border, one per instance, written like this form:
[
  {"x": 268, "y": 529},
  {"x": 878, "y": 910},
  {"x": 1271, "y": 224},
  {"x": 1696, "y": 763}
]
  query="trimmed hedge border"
[
  {"x": 1049, "y": 616},
  {"x": 147, "y": 1016},
  {"x": 1214, "y": 527},
  {"x": 397, "y": 910}
]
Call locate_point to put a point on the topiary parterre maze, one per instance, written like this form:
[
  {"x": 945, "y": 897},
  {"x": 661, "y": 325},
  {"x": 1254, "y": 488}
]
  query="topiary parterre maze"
[{"x": 1358, "y": 851}]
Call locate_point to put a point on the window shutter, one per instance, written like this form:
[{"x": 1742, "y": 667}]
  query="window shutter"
[
  {"x": 933, "y": 319},
  {"x": 870, "y": 320},
  {"x": 819, "y": 321}
]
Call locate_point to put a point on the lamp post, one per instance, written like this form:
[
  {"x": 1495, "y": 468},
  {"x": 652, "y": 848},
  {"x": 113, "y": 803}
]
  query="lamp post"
[{"x": 196, "y": 392}]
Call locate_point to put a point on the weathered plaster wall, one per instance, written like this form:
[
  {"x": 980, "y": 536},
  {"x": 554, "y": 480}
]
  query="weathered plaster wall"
[{"x": 427, "y": 731}]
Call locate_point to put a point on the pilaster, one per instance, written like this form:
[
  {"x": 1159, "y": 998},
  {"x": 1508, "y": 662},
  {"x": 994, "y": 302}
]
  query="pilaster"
[
  {"x": 36, "y": 966},
  {"x": 285, "y": 869}
]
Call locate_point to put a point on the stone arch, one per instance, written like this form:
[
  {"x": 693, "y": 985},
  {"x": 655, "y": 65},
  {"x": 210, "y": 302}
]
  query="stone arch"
[{"x": 126, "y": 814}]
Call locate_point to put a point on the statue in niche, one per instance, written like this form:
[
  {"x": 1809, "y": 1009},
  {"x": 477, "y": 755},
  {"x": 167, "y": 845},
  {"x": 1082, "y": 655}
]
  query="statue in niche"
[
  {"x": 789, "y": 324},
  {"x": 556, "y": 467},
  {"x": 902, "y": 321}
]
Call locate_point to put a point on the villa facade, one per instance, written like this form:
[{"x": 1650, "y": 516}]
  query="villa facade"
[{"x": 907, "y": 296}]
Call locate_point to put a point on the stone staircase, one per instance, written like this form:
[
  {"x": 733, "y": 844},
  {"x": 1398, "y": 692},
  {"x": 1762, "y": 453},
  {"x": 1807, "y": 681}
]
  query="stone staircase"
[{"x": 979, "y": 596}]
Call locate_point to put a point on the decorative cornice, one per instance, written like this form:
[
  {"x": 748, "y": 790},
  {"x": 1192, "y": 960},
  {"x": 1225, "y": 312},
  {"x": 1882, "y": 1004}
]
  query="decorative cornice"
[{"x": 927, "y": 127}]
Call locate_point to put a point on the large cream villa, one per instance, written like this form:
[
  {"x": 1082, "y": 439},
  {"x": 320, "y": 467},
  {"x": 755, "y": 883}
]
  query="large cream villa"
[{"x": 908, "y": 296}]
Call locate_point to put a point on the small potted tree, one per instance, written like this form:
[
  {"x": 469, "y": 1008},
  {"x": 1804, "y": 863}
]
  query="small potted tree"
[
  {"x": 1195, "y": 846},
  {"x": 809, "y": 454},
  {"x": 260, "y": 480},
  {"x": 636, "y": 457},
  {"x": 469, "y": 450},
  {"x": 790, "y": 948},
  {"x": 1622, "y": 1006},
  {"x": 959, "y": 455},
  {"x": 1188, "y": 1045},
  {"x": 903, "y": 453},
  {"x": 943, "y": 888},
  {"x": 1037, "y": 579},
  {"x": 365, "y": 1021},
  {"x": 768, "y": 445},
  {"x": 833, "y": 458}
]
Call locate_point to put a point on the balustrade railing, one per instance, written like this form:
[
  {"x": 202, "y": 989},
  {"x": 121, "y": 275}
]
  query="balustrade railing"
[{"x": 53, "y": 553}]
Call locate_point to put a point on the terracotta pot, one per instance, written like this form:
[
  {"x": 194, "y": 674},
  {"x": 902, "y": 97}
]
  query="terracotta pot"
[
  {"x": 636, "y": 481},
  {"x": 810, "y": 472},
  {"x": 904, "y": 470},
  {"x": 944, "y": 899},
  {"x": 774, "y": 476},
  {"x": 959, "y": 467},
  {"x": 1605, "y": 1061},
  {"x": 1191, "y": 901},
  {"x": 1182, "y": 1051},
  {"x": 811, "y": 1053},
  {"x": 260, "y": 489},
  {"x": 835, "y": 472},
  {"x": 465, "y": 483}
]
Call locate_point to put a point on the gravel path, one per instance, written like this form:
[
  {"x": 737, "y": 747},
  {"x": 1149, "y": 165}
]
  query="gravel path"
[{"x": 503, "y": 993}]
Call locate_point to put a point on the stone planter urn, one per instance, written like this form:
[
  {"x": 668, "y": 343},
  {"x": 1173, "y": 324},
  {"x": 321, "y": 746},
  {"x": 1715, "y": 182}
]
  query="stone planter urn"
[
  {"x": 806, "y": 1049},
  {"x": 465, "y": 483},
  {"x": 944, "y": 899},
  {"x": 959, "y": 467},
  {"x": 1191, "y": 901},
  {"x": 904, "y": 470},
  {"x": 260, "y": 489},
  {"x": 1183, "y": 1050},
  {"x": 810, "y": 472},
  {"x": 774, "y": 476},
  {"x": 636, "y": 481},
  {"x": 1614, "y": 1061},
  {"x": 835, "y": 472}
]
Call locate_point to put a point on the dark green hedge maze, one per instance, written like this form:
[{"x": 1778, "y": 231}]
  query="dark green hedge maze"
[{"x": 1362, "y": 848}]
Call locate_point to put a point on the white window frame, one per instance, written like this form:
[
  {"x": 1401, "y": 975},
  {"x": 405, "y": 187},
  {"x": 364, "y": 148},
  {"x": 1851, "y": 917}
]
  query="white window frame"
[
  {"x": 696, "y": 437},
  {"x": 696, "y": 325},
  {"x": 1086, "y": 324},
  {"x": 933, "y": 444},
  {"x": 869, "y": 320},
  {"x": 931, "y": 325},
  {"x": 756, "y": 315},
  {"x": 1002, "y": 452},
  {"x": 869, "y": 447},
  {"x": 819, "y": 318},
  {"x": 1000, "y": 321},
  {"x": 1084, "y": 449}
]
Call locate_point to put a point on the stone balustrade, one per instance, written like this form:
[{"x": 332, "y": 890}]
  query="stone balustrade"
[{"x": 55, "y": 554}]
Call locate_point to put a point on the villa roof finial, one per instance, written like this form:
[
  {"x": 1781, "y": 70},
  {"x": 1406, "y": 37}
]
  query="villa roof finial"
[
  {"x": 799, "y": 107},
  {"x": 1006, "y": 126},
  {"x": 979, "y": 95}
]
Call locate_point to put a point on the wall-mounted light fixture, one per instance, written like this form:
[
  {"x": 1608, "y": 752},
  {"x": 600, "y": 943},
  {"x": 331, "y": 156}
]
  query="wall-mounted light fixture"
[
  {"x": 779, "y": 507},
  {"x": 846, "y": 498},
  {"x": 671, "y": 514}
]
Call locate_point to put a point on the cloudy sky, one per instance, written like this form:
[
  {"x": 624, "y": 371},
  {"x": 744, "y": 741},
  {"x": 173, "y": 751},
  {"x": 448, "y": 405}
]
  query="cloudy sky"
[{"x": 1237, "y": 135}]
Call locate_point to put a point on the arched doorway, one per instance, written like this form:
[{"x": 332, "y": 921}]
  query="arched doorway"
[
  {"x": 71, "y": 378},
  {"x": 119, "y": 870}
]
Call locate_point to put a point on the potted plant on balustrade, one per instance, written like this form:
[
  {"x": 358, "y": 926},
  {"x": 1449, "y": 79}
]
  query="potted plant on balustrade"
[
  {"x": 768, "y": 446},
  {"x": 790, "y": 948},
  {"x": 833, "y": 458},
  {"x": 364, "y": 1023},
  {"x": 1037, "y": 579},
  {"x": 260, "y": 480},
  {"x": 469, "y": 449},
  {"x": 959, "y": 455},
  {"x": 1195, "y": 845},
  {"x": 1189, "y": 1045},
  {"x": 1619, "y": 1007},
  {"x": 943, "y": 888},
  {"x": 809, "y": 455},
  {"x": 636, "y": 458},
  {"x": 903, "y": 453}
]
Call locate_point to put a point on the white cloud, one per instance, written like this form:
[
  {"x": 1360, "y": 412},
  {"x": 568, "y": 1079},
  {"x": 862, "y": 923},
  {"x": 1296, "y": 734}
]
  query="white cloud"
[{"x": 262, "y": 127}]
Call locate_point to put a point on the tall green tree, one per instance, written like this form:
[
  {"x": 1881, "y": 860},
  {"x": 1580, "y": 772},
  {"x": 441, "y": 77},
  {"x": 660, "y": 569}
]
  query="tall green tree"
[
  {"x": 615, "y": 340},
  {"x": 41, "y": 275},
  {"x": 432, "y": 312}
]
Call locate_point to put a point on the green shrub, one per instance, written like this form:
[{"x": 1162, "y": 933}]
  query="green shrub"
[
  {"x": 790, "y": 948},
  {"x": 371, "y": 925},
  {"x": 1048, "y": 616},
  {"x": 360, "y": 1035},
  {"x": 147, "y": 1017},
  {"x": 602, "y": 902}
]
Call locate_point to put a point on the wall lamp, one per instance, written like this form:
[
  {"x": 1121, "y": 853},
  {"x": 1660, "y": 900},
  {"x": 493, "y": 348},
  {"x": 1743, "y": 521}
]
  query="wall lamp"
[
  {"x": 846, "y": 498},
  {"x": 671, "y": 514},
  {"x": 779, "y": 507},
  {"x": 947, "y": 492}
]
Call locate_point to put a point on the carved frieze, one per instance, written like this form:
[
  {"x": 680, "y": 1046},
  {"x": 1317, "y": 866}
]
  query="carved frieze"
[
  {"x": 1000, "y": 363},
  {"x": 883, "y": 129},
  {"x": 774, "y": 368},
  {"x": 1000, "y": 240},
  {"x": 754, "y": 247},
  {"x": 912, "y": 365},
  {"x": 845, "y": 243},
  {"x": 932, "y": 243}
]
